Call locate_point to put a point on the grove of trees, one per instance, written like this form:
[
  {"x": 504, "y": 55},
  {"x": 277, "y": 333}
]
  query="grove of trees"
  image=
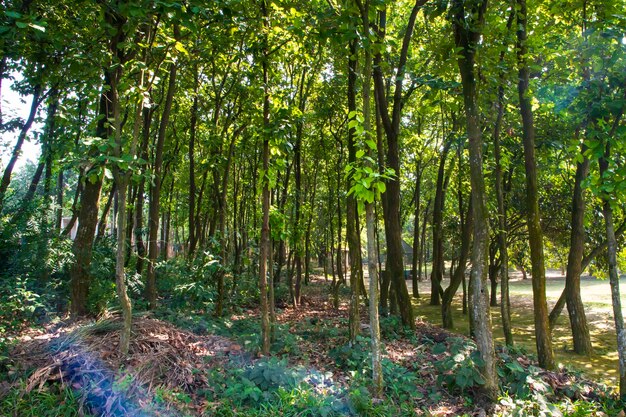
[{"x": 257, "y": 140}]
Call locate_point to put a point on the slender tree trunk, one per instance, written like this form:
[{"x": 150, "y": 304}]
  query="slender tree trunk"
[
  {"x": 102, "y": 224},
  {"x": 575, "y": 307},
  {"x": 505, "y": 302},
  {"x": 422, "y": 252},
  {"x": 416, "y": 230},
  {"x": 457, "y": 279},
  {"x": 192, "y": 167},
  {"x": 493, "y": 277},
  {"x": 436, "y": 274},
  {"x": 340, "y": 269},
  {"x": 297, "y": 150},
  {"x": 542, "y": 328},
  {"x": 352, "y": 236},
  {"x": 307, "y": 239},
  {"x": 74, "y": 209},
  {"x": 614, "y": 278},
  {"x": 393, "y": 227},
  {"x": 155, "y": 190},
  {"x": 467, "y": 39},
  {"x": 265, "y": 194},
  {"x": 377, "y": 372},
  {"x": 8, "y": 171},
  {"x": 121, "y": 180}
]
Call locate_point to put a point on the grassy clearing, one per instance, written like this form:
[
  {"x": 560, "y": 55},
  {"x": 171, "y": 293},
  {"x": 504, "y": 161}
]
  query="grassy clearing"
[{"x": 602, "y": 366}]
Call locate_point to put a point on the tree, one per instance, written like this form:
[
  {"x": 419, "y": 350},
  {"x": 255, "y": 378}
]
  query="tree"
[
  {"x": 542, "y": 329},
  {"x": 467, "y": 21}
]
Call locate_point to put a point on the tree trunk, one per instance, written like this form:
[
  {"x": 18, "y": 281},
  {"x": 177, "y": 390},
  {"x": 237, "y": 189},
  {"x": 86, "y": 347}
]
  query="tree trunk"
[
  {"x": 505, "y": 302},
  {"x": 467, "y": 39},
  {"x": 74, "y": 209},
  {"x": 297, "y": 150},
  {"x": 416, "y": 230},
  {"x": 391, "y": 210},
  {"x": 265, "y": 194},
  {"x": 352, "y": 235},
  {"x": 558, "y": 306},
  {"x": 88, "y": 214},
  {"x": 192, "y": 167},
  {"x": 459, "y": 273},
  {"x": 493, "y": 279},
  {"x": 614, "y": 278},
  {"x": 58, "y": 218},
  {"x": 436, "y": 274},
  {"x": 8, "y": 171},
  {"x": 155, "y": 191},
  {"x": 377, "y": 372},
  {"x": 423, "y": 242},
  {"x": 542, "y": 329},
  {"x": 102, "y": 224},
  {"x": 575, "y": 307}
]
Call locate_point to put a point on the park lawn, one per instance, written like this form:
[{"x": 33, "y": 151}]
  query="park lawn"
[{"x": 602, "y": 366}]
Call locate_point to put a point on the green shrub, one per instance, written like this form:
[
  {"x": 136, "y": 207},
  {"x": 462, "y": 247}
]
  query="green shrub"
[
  {"x": 352, "y": 357},
  {"x": 271, "y": 374},
  {"x": 460, "y": 367}
]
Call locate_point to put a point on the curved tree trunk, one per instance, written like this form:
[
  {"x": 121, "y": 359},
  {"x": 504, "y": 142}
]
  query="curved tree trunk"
[{"x": 8, "y": 171}]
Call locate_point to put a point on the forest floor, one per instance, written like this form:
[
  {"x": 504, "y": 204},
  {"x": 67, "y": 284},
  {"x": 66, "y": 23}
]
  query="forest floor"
[
  {"x": 601, "y": 366},
  {"x": 213, "y": 367}
]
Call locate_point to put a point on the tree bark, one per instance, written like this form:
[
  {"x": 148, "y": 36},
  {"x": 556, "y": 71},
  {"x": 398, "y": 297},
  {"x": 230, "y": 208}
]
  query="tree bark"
[
  {"x": 542, "y": 328},
  {"x": 352, "y": 235},
  {"x": 505, "y": 301},
  {"x": 192, "y": 167},
  {"x": 265, "y": 193},
  {"x": 614, "y": 277},
  {"x": 88, "y": 214},
  {"x": 377, "y": 372},
  {"x": 391, "y": 123},
  {"x": 436, "y": 274},
  {"x": 155, "y": 191},
  {"x": 8, "y": 171},
  {"x": 575, "y": 307},
  {"x": 467, "y": 33},
  {"x": 416, "y": 230},
  {"x": 459, "y": 273},
  {"x": 560, "y": 304}
]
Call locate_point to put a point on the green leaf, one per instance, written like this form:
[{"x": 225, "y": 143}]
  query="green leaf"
[
  {"x": 439, "y": 348},
  {"x": 180, "y": 48}
]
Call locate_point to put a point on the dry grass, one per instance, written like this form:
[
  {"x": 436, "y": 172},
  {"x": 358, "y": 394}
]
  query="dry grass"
[{"x": 162, "y": 358}]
